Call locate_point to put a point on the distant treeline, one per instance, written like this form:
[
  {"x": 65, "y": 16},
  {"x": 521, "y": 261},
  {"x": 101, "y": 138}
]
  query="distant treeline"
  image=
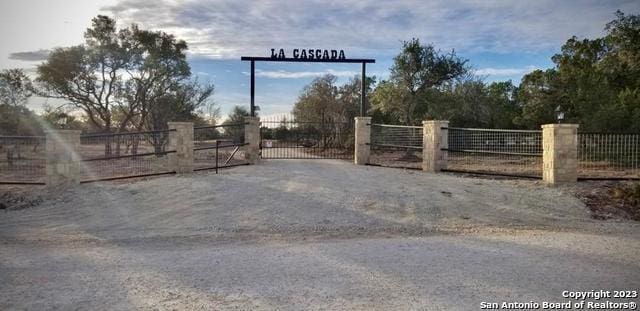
[{"x": 595, "y": 82}]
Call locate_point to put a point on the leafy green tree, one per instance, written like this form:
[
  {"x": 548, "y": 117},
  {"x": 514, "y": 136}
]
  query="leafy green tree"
[
  {"x": 538, "y": 96},
  {"x": 115, "y": 72},
  {"x": 595, "y": 82},
  {"x": 503, "y": 105},
  {"x": 15, "y": 87},
  {"x": 417, "y": 69},
  {"x": 181, "y": 103},
  {"x": 15, "y": 90}
]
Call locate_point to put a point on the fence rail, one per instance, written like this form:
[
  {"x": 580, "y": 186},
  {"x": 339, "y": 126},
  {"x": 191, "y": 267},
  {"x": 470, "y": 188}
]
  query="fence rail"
[
  {"x": 609, "y": 155},
  {"x": 113, "y": 156},
  {"x": 494, "y": 151},
  {"x": 396, "y": 146},
  {"x": 22, "y": 160}
]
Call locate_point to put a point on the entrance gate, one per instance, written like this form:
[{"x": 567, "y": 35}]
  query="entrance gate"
[
  {"x": 313, "y": 137},
  {"x": 291, "y": 138}
]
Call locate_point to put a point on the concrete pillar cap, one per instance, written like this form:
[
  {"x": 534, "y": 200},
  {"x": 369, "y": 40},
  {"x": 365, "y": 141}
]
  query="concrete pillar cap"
[{"x": 560, "y": 125}]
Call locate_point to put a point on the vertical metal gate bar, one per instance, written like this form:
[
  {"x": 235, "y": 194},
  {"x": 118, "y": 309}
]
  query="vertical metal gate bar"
[{"x": 216, "y": 156}]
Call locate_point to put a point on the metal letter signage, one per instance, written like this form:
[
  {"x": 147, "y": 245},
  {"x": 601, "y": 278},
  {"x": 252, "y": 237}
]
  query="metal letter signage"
[{"x": 309, "y": 54}]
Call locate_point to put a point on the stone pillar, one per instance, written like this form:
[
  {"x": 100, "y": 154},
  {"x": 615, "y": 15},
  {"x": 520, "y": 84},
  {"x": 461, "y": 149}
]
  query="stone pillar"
[
  {"x": 252, "y": 137},
  {"x": 559, "y": 153},
  {"x": 362, "y": 140},
  {"x": 63, "y": 161},
  {"x": 434, "y": 139},
  {"x": 181, "y": 140}
]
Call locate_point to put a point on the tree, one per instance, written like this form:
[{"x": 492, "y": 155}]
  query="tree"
[
  {"x": 235, "y": 132},
  {"x": 595, "y": 82},
  {"x": 538, "y": 95},
  {"x": 328, "y": 110},
  {"x": 15, "y": 90},
  {"x": 503, "y": 105},
  {"x": 115, "y": 73},
  {"x": 179, "y": 104},
  {"x": 15, "y": 87},
  {"x": 61, "y": 118},
  {"x": 415, "y": 70},
  {"x": 318, "y": 101}
]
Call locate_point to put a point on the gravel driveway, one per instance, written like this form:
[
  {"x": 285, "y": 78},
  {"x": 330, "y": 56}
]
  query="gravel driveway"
[{"x": 309, "y": 234}]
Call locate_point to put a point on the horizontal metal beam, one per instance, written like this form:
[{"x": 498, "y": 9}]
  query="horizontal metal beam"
[
  {"x": 220, "y": 125},
  {"x": 22, "y": 183},
  {"x": 489, "y": 130},
  {"x": 214, "y": 167},
  {"x": 126, "y": 177},
  {"x": 395, "y": 146},
  {"x": 307, "y": 60},
  {"x": 493, "y": 152},
  {"x": 398, "y": 126},
  {"x": 219, "y": 146},
  {"x": 127, "y": 156},
  {"x": 126, "y": 133},
  {"x": 491, "y": 173}
]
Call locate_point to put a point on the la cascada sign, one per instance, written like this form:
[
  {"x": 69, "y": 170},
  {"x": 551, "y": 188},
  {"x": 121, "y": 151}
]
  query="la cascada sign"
[{"x": 309, "y": 54}]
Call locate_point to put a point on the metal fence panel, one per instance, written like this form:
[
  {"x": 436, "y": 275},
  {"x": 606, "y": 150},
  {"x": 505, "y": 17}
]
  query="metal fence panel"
[
  {"x": 22, "y": 159},
  {"x": 124, "y": 155},
  {"x": 609, "y": 155},
  {"x": 396, "y": 146},
  {"x": 495, "y": 151}
]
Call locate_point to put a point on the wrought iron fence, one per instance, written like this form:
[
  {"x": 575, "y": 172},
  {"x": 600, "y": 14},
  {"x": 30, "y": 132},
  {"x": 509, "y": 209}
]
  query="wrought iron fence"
[
  {"x": 495, "y": 151},
  {"x": 609, "y": 155},
  {"x": 124, "y": 155},
  {"x": 312, "y": 137},
  {"x": 396, "y": 146},
  {"x": 22, "y": 160},
  {"x": 218, "y": 146}
]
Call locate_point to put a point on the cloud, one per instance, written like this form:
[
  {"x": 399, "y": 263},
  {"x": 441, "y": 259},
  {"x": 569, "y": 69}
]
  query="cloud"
[
  {"x": 282, "y": 74},
  {"x": 504, "y": 71},
  {"x": 363, "y": 28},
  {"x": 30, "y": 56}
]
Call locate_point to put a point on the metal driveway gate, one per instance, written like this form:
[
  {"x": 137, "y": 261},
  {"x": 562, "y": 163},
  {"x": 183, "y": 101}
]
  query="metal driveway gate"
[{"x": 289, "y": 138}]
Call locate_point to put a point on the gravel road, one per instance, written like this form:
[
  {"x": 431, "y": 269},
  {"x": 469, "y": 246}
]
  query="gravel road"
[{"x": 309, "y": 234}]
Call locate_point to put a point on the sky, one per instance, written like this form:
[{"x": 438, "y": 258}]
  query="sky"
[{"x": 502, "y": 40}]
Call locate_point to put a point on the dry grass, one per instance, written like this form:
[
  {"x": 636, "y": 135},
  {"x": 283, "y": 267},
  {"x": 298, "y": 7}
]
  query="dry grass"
[{"x": 610, "y": 199}]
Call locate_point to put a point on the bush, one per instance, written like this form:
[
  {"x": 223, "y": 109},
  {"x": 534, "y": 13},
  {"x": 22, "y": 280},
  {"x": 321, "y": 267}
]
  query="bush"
[{"x": 629, "y": 197}]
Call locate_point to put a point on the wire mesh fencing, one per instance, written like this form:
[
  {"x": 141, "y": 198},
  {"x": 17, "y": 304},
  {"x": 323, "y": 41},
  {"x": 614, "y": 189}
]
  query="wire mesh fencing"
[
  {"x": 310, "y": 137},
  {"x": 495, "y": 152},
  {"x": 609, "y": 155},
  {"x": 22, "y": 159},
  {"x": 396, "y": 146},
  {"x": 124, "y": 155},
  {"x": 219, "y": 146}
]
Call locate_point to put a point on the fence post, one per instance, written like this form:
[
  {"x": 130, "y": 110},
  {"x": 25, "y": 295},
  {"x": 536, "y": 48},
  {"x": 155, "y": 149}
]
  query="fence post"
[
  {"x": 559, "y": 153},
  {"x": 252, "y": 138},
  {"x": 362, "y": 140},
  {"x": 181, "y": 140},
  {"x": 63, "y": 161},
  {"x": 434, "y": 139}
]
